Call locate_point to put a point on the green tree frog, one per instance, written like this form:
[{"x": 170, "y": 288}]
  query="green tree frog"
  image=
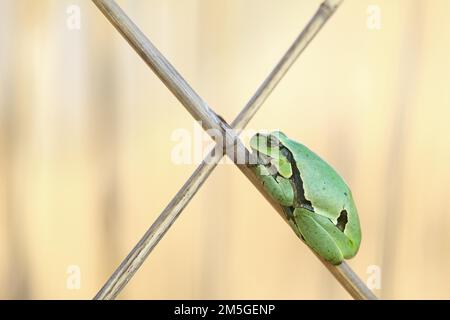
[{"x": 317, "y": 202}]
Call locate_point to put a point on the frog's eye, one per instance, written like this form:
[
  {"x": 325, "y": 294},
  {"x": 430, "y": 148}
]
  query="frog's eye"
[{"x": 272, "y": 141}]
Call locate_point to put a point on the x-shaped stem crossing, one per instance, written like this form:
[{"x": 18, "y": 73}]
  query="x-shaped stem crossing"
[{"x": 200, "y": 110}]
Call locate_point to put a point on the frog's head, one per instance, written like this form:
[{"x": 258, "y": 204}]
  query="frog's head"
[
  {"x": 269, "y": 150},
  {"x": 266, "y": 144}
]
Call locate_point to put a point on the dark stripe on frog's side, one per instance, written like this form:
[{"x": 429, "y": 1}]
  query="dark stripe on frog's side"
[{"x": 297, "y": 182}]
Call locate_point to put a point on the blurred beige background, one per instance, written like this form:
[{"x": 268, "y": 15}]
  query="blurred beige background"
[{"x": 85, "y": 146}]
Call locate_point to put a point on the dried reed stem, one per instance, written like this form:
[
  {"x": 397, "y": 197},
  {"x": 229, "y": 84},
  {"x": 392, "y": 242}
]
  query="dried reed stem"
[{"x": 209, "y": 119}]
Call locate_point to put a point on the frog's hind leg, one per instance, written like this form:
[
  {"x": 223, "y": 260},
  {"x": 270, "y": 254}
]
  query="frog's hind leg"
[{"x": 317, "y": 235}]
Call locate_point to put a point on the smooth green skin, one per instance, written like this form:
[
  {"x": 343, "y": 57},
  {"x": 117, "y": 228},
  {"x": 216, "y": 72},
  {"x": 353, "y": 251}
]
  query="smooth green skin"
[{"x": 323, "y": 188}]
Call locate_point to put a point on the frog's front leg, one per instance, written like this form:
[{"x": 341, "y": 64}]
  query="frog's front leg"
[
  {"x": 321, "y": 234},
  {"x": 279, "y": 188}
]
